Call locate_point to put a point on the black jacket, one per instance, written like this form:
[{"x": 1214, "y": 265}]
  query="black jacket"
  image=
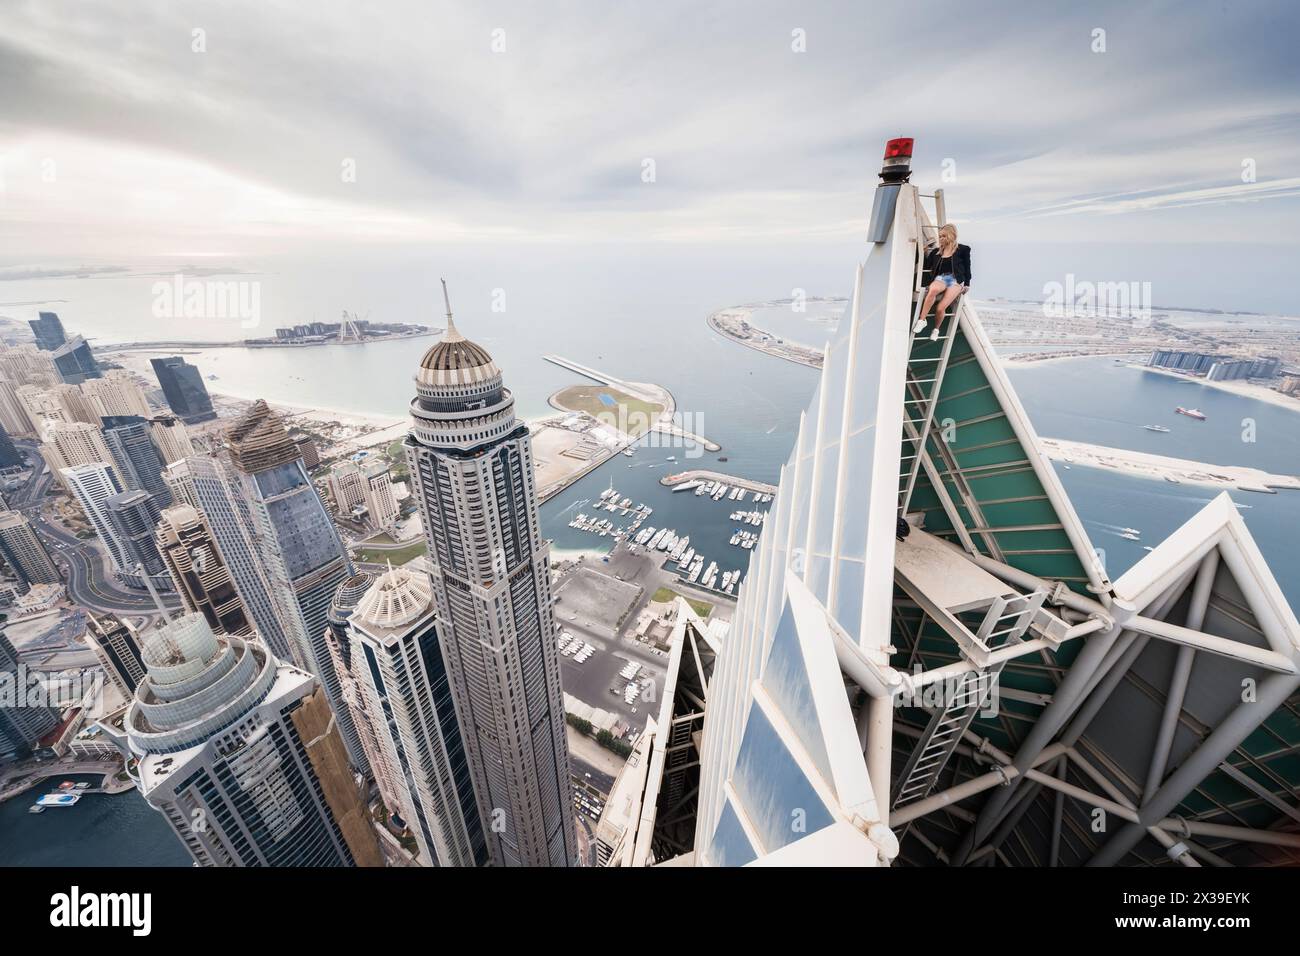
[{"x": 960, "y": 263}]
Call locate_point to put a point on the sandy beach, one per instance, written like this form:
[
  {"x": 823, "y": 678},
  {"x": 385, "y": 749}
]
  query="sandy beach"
[
  {"x": 1173, "y": 470},
  {"x": 351, "y": 431}
]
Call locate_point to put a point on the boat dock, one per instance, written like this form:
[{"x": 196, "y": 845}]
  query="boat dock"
[{"x": 701, "y": 474}]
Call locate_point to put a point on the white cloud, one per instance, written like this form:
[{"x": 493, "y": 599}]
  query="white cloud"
[{"x": 241, "y": 146}]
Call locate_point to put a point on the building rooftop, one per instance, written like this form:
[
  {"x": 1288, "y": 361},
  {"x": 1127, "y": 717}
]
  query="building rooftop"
[
  {"x": 259, "y": 440},
  {"x": 454, "y": 359},
  {"x": 398, "y": 597}
]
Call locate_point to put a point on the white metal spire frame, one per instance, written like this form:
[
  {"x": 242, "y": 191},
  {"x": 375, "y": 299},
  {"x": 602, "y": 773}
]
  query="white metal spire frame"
[{"x": 827, "y": 559}]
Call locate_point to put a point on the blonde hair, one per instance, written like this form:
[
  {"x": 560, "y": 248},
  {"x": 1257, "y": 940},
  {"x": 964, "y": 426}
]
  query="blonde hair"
[{"x": 945, "y": 231}]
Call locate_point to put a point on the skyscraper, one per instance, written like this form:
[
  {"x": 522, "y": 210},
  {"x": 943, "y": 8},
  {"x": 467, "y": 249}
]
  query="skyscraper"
[
  {"x": 381, "y": 501},
  {"x": 198, "y": 572},
  {"x": 118, "y": 648},
  {"x": 237, "y": 751},
  {"x": 24, "y": 720},
  {"x": 180, "y": 479},
  {"x": 48, "y": 330},
  {"x": 395, "y": 628},
  {"x": 10, "y": 456},
  {"x": 339, "y": 646},
  {"x": 75, "y": 362},
  {"x": 172, "y": 439},
  {"x": 75, "y": 403},
  {"x": 133, "y": 516},
  {"x": 22, "y": 550},
  {"x": 69, "y": 444},
  {"x": 472, "y": 473},
  {"x": 137, "y": 458},
  {"x": 364, "y": 486},
  {"x": 27, "y": 365},
  {"x": 184, "y": 390},
  {"x": 117, "y": 393},
  {"x": 282, "y": 540},
  {"x": 219, "y": 496},
  {"x": 13, "y": 415},
  {"x": 43, "y": 405},
  {"x": 93, "y": 485},
  {"x": 348, "y": 486}
]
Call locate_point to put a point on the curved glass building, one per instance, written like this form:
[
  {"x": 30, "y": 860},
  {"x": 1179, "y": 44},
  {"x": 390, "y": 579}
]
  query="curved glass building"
[{"x": 239, "y": 752}]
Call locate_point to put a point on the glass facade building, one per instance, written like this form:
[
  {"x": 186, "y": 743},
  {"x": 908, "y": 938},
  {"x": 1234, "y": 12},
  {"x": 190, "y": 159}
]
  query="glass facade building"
[{"x": 183, "y": 387}]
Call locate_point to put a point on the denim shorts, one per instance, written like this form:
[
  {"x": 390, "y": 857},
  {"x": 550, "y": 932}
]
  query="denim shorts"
[{"x": 947, "y": 279}]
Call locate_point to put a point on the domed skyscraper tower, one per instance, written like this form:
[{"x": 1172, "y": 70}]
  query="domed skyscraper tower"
[{"x": 472, "y": 473}]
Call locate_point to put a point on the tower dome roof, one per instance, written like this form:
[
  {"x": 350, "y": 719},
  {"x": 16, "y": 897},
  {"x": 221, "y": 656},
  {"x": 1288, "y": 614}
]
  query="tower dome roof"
[
  {"x": 396, "y": 598},
  {"x": 454, "y": 359}
]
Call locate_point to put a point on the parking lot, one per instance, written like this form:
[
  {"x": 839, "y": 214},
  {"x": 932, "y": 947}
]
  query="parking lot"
[{"x": 590, "y": 603}]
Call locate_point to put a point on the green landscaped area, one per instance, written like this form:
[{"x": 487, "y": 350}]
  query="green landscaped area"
[
  {"x": 664, "y": 595},
  {"x": 634, "y": 414},
  {"x": 395, "y": 555},
  {"x": 397, "y": 458}
]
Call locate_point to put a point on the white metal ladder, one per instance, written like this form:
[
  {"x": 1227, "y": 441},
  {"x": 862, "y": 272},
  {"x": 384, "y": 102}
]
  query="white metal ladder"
[
  {"x": 1005, "y": 622},
  {"x": 924, "y": 379},
  {"x": 925, "y": 371}
]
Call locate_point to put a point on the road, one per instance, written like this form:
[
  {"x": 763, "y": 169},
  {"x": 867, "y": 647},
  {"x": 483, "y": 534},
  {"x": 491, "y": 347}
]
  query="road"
[{"x": 89, "y": 583}]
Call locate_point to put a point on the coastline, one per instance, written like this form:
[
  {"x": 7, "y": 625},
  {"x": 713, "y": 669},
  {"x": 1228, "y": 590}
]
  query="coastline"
[
  {"x": 1026, "y": 359},
  {"x": 138, "y": 364},
  {"x": 170, "y": 348},
  {"x": 1244, "y": 389},
  {"x": 1160, "y": 467},
  {"x": 798, "y": 352}
]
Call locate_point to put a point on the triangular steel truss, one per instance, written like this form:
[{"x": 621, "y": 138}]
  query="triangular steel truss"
[{"x": 841, "y": 631}]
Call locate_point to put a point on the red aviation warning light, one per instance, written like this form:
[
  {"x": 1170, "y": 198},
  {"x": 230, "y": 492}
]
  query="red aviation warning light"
[
  {"x": 897, "y": 167},
  {"x": 899, "y": 147},
  {"x": 895, "y": 172}
]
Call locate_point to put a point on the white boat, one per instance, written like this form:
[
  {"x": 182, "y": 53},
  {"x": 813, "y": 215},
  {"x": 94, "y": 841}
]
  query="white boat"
[
  {"x": 685, "y": 562},
  {"x": 686, "y": 486},
  {"x": 58, "y": 799},
  {"x": 679, "y": 547},
  {"x": 1156, "y": 428},
  {"x": 659, "y": 536},
  {"x": 696, "y": 568},
  {"x": 702, "y": 488}
]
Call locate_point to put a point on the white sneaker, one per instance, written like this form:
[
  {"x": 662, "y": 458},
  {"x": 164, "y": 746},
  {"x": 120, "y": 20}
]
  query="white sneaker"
[
  {"x": 934, "y": 336},
  {"x": 918, "y": 326}
]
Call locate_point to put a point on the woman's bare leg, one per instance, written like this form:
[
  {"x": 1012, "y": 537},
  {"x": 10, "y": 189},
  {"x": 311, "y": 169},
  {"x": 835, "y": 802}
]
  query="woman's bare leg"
[
  {"x": 949, "y": 296},
  {"x": 931, "y": 294}
]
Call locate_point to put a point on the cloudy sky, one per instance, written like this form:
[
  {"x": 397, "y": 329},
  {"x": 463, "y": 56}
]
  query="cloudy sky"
[{"x": 158, "y": 128}]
